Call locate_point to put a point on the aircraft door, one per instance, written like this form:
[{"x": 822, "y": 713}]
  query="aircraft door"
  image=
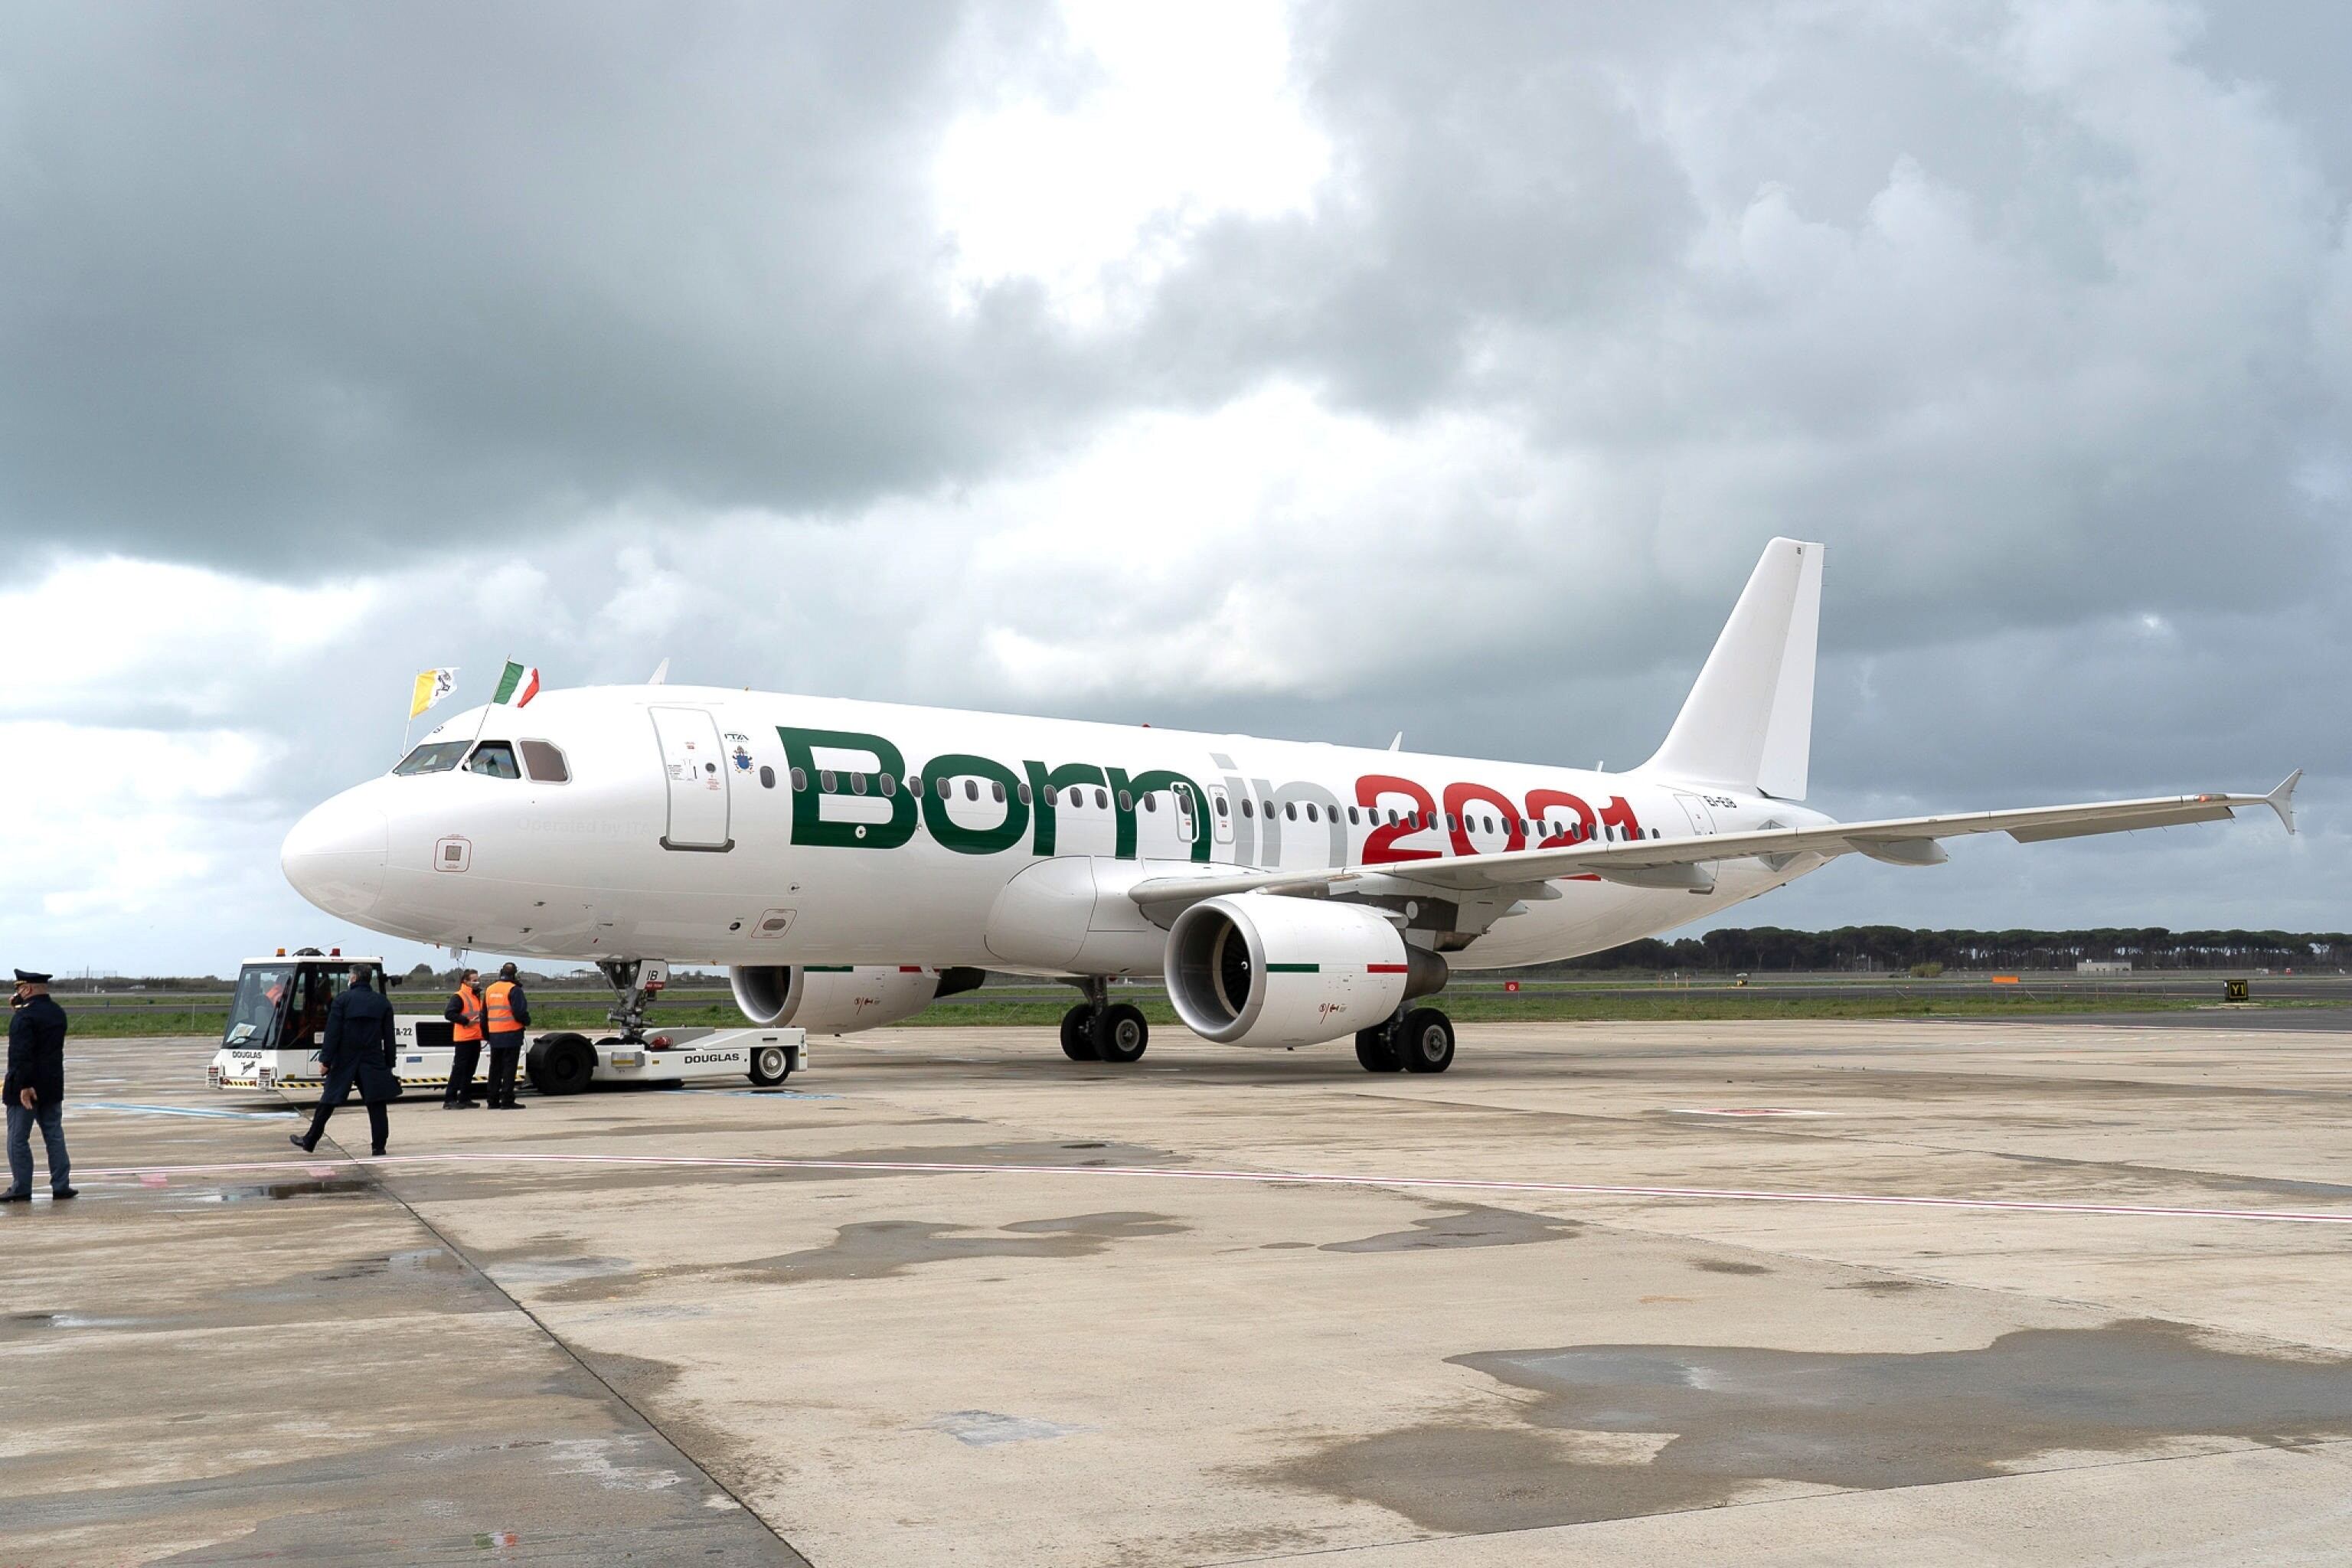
[
  {"x": 1221, "y": 813},
  {"x": 1702, "y": 820},
  {"x": 695, "y": 765}
]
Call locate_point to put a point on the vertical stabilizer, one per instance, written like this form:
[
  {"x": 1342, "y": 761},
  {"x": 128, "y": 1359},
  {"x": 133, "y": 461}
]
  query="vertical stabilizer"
[{"x": 1748, "y": 722}]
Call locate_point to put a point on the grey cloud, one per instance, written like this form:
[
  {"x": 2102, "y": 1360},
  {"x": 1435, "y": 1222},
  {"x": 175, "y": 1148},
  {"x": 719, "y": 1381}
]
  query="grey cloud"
[
  {"x": 2042, "y": 317},
  {"x": 270, "y": 280}
]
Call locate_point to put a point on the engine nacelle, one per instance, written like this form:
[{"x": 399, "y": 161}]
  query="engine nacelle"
[
  {"x": 841, "y": 1001},
  {"x": 1263, "y": 969}
]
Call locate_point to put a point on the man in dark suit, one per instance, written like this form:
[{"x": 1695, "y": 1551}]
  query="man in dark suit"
[
  {"x": 358, "y": 1036},
  {"x": 35, "y": 1088}
]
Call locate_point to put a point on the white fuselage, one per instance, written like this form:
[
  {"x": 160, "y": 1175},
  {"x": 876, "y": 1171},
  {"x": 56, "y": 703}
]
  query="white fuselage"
[{"x": 680, "y": 835}]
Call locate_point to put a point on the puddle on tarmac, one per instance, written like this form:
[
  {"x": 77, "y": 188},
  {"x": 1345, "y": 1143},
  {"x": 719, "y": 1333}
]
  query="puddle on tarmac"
[
  {"x": 1470, "y": 1225},
  {"x": 321, "y": 1187},
  {"x": 1730, "y": 1417},
  {"x": 1726, "y": 1265},
  {"x": 876, "y": 1249}
]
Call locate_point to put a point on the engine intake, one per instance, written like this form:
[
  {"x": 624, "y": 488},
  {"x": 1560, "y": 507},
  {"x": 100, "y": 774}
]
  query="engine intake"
[
  {"x": 829, "y": 1001},
  {"x": 1261, "y": 969}
]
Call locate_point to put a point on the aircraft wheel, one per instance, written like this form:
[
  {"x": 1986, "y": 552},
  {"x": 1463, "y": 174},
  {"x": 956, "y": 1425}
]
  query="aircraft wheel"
[
  {"x": 1376, "y": 1049},
  {"x": 1120, "y": 1034},
  {"x": 566, "y": 1064},
  {"x": 1428, "y": 1043},
  {"x": 771, "y": 1065},
  {"x": 1077, "y": 1035}
]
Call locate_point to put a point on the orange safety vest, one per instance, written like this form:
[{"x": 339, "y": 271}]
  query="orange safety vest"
[
  {"x": 468, "y": 1025},
  {"x": 500, "y": 1011}
]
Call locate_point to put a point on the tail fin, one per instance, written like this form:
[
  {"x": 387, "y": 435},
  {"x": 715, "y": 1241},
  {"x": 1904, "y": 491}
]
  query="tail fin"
[{"x": 1748, "y": 722}]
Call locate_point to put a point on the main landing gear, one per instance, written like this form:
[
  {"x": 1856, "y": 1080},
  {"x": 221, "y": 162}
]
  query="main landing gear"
[
  {"x": 1099, "y": 1030},
  {"x": 1418, "y": 1039}
]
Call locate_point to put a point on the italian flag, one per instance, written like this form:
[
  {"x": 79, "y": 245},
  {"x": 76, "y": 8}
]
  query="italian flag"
[{"x": 518, "y": 684}]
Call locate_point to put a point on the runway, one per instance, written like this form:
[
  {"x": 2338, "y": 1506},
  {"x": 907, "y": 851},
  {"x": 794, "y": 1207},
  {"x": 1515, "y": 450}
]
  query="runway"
[{"x": 1613, "y": 1293}]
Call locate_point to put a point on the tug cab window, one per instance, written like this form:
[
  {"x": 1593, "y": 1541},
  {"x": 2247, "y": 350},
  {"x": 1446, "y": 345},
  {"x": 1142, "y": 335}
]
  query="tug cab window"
[
  {"x": 545, "y": 762},
  {"x": 494, "y": 759},
  {"x": 433, "y": 757}
]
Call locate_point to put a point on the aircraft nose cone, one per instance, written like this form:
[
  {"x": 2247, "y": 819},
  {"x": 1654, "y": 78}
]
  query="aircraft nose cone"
[{"x": 335, "y": 855}]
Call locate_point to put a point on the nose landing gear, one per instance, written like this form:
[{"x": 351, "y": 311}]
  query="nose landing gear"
[
  {"x": 1099, "y": 1030},
  {"x": 638, "y": 984}
]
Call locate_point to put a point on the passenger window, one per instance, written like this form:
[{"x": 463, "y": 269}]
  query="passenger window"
[
  {"x": 1223, "y": 809},
  {"x": 1126, "y": 801},
  {"x": 947, "y": 789},
  {"x": 824, "y": 780},
  {"x": 546, "y": 763},
  {"x": 767, "y": 776},
  {"x": 799, "y": 781},
  {"x": 857, "y": 783},
  {"x": 972, "y": 789},
  {"x": 1102, "y": 800},
  {"x": 494, "y": 759},
  {"x": 1151, "y": 802},
  {"x": 1248, "y": 809},
  {"x": 889, "y": 783},
  {"x": 1023, "y": 790},
  {"x": 1351, "y": 816},
  {"x": 996, "y": 790}
]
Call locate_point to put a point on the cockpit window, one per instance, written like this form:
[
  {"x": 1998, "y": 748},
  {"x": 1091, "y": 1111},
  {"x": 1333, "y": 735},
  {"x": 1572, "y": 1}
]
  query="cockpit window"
[
  {"x": 493, "y": 759},
  {"x": 546, "y": 763},
  {"x": 433, "y": 757}
]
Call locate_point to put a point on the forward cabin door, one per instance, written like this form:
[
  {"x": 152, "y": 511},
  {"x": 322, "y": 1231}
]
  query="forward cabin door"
[{"x": 696, "y": 766}]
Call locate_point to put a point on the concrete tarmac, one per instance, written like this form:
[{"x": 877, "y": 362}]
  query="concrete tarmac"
[{"x": 1783, "y": 1292}]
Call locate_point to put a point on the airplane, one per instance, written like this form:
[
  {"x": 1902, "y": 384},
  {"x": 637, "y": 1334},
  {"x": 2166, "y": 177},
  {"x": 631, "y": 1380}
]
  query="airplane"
[{"x": 849, "y": 862}]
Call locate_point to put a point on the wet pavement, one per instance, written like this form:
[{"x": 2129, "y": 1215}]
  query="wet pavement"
[{"x": 1602, "y": 1293}]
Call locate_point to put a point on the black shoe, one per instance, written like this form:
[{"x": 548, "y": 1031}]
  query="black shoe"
[
  {"x": 296, "y": 1139},
  {"x": 15, "y": 1197},
  {"x": 376, "y": 1153},
  {"x": 459, "y": 1104},
  {"x": 68, "y": 1192}
]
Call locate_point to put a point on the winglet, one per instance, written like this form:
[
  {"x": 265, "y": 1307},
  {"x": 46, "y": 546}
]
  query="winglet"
[
  {"x": 660, "y": 674},
  {"x": 2281, "y": 799},
  {"x": 1398, "y": 743}
]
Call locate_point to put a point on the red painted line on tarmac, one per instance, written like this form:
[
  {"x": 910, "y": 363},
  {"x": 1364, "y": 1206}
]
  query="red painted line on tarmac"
[{"x": 149, "y": 1174}]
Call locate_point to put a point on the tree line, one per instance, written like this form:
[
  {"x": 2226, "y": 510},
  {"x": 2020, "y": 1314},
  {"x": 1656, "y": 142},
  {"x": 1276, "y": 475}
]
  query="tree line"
[{"x": 1761, "y": 949}]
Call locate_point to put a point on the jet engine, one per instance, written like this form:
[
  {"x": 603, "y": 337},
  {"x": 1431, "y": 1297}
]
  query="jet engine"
[
  {"x": 1264, "y": 969},
  {"x": 825, "y": 1000}
]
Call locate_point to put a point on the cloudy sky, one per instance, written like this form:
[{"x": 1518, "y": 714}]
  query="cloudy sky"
[{"x": 1319, "y": 372}]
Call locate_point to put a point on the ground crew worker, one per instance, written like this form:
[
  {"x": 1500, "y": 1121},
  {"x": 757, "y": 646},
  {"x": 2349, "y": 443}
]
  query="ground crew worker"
[
  {"x": 35, "y": 1088},
  {"x": 506, "y": 1013},
  {"x": 357, "y": 1038},
  {"x": 465, "y": 1014}
]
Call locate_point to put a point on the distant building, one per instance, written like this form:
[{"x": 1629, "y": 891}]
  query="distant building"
[{"x": 2103, "y": 967}]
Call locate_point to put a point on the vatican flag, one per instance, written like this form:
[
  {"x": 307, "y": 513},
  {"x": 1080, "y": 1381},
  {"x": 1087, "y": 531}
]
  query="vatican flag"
[{"x": 432, "y": 685}]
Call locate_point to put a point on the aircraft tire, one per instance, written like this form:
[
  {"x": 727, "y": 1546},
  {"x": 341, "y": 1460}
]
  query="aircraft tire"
[
  {"x": 1077, "y": 1037},
  {"x": 1376, "y": 1049},
  {"x": 566, "y": 1064},
  {"x": 771, "y": 1065},
  {"x": 1120, "y": 1034},
  {"x": 1427, "y": 1043}
]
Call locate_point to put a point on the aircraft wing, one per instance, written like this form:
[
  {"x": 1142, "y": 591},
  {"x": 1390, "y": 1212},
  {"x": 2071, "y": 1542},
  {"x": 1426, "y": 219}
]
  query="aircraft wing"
[{"x": 1673, "y": 861}]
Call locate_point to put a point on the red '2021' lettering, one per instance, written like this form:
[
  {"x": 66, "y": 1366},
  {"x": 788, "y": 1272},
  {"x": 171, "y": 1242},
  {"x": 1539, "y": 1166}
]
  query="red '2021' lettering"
[{"x": 1381, "y": 848}]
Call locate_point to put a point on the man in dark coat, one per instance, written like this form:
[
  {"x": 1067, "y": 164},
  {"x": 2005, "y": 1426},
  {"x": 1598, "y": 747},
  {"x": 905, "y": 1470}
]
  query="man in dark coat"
[
  {"x": 358, "y": 1034},
  {"x": 35, "y": 1088}
]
